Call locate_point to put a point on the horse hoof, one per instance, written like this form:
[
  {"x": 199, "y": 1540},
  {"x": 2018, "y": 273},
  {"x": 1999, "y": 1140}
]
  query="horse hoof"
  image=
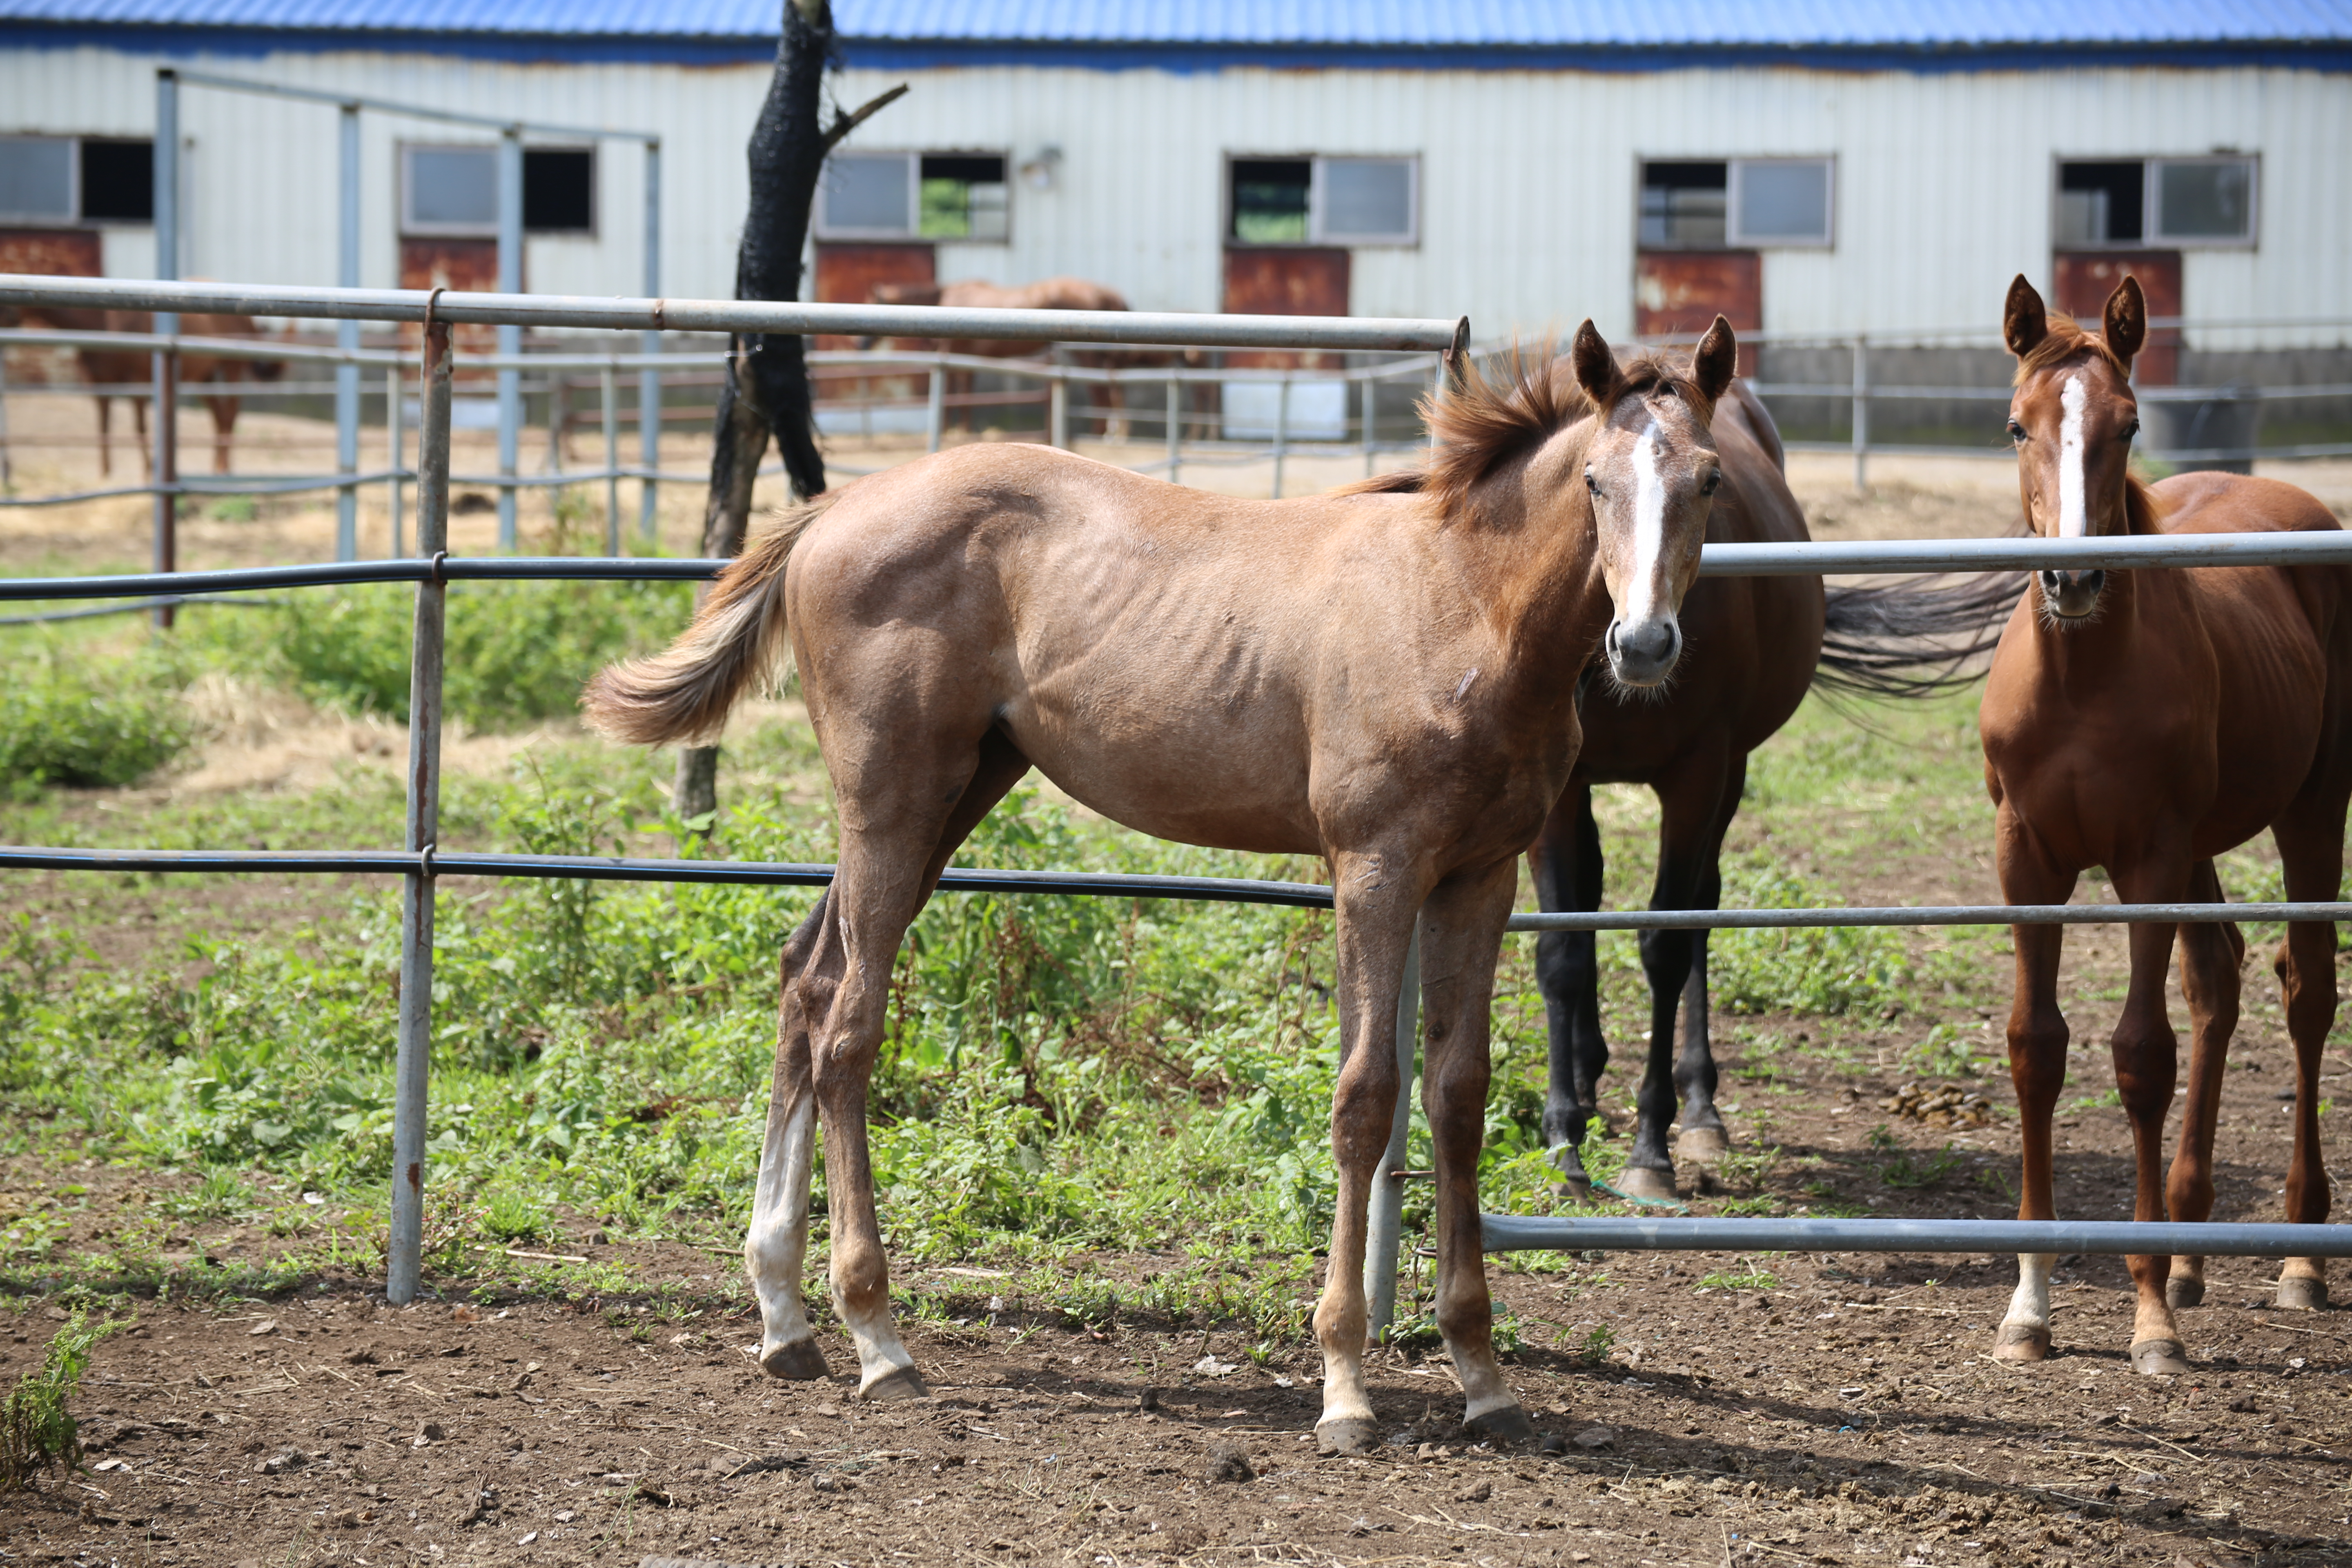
[
  {"x": 798, "y": 1361},
  {"x": 2021, "y": 1342},
  {"x": 2302, "y": 1293},
  {"x": 2181, "y": 1290},
  {"x": 1575, "y": 1189},
  {"x": 2158, "y": 1358},
  {"x": 1702, "y": 1145},
  {"x": 1347, "y": 1435},
  {"x": 1504, "y": 1426},
  {"x": 899, "y": 1383},
  {"x": 1642, "y": 1182}
]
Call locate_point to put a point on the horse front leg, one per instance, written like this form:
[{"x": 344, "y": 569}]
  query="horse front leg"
[
  {"x": 1375, "y": 929},
  {"x": 1461, "y": 938},
  {"x": 2037, "y": 1070},
  {"x": 1704, "y": 1138},
  {"x": 2311, "y": 847},
  {"x": 1566, "y": 866},
  {"x": 2147, "y": 1055},
  {"x": 775, "y": 1248},
  {"x": 2211, "y": 958},
  {"x": 1688, "y": 797}
]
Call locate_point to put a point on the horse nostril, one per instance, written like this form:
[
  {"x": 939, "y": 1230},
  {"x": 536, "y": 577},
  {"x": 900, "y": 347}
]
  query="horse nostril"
[{"x": 1610, "y": 642}]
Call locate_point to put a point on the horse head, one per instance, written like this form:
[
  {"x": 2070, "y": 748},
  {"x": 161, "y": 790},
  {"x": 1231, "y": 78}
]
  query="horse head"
[
  {"x": 1650, "y": 470},
  {"x": 2073, "y": 417},
  {"x": 899, "y": 294}
]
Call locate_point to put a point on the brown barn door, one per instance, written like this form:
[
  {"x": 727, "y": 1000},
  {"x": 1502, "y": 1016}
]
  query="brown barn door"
[
  {"x": 848, "y": 275},
  {"x": 1285, "y": 281},
  {"x": 2085, "y": 278},
  {"x": 468, "y": 266},
  {"x": 1679, "y": 293}
]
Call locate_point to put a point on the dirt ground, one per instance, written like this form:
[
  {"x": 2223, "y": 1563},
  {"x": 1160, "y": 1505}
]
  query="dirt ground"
[{"x": 1757, "y": 1410}]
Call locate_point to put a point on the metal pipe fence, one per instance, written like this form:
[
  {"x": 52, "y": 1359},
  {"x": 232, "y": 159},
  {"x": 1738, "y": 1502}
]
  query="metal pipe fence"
[{"x": 420, "y": 863}]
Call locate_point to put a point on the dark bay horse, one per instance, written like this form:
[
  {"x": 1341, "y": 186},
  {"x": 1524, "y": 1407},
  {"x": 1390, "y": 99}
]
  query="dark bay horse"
[
  {"x": 1755, "y": 646},
  {"x": 2146, "y": 722},
  {"x": 130, "y": 367},
  {"x": 1383, "y": 679}
]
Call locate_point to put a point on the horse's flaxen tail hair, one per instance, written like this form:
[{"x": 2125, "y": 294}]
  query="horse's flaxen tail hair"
[
  {"x": 1923, "y": 636},
  {"x": 683, "y": 694}
]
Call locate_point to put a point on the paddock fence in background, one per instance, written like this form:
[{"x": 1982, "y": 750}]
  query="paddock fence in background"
[{"x": 420, "y": 863}]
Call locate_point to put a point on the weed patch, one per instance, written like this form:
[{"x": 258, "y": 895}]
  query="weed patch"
[{"x": 36, "y": 1431}]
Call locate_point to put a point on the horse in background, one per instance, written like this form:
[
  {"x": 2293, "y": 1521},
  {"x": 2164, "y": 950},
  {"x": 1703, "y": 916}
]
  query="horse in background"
[
  {"x": 1756, "y": 645},
  {"x": 2146, "y": 721},
  {"x": 1047, "y": 294},
  {"x": 119, "y": 369},
  {"x": 1382, "y": 680}
]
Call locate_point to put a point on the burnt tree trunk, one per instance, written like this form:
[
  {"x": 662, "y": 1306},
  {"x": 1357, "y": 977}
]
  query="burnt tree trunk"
[{"x": 767, "y": 391}]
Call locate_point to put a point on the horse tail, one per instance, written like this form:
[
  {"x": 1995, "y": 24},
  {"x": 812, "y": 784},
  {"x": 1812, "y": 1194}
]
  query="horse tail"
[
  {"x": 684, "y": 693},
  {"x": 1921, "y": 637}
]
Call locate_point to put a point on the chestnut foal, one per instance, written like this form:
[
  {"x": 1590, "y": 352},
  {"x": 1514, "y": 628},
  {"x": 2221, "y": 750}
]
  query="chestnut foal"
[
  {"x": 2146, "y": 721},
  {"x": 1382, "y": 679}
]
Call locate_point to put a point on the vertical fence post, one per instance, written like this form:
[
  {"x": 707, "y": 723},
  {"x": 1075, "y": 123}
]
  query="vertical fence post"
[
  {"x": 1368, "y": 400},
  {"x": 1387, "y": 1219},
  {"x": 650, "y": 342},
  {"x": 935, "y": 406},
  {"x": 167, "y": 366},
  {"x": 1057, "y": 410},
  {"x": 612, "y": 410},
  {"x": 404, "y": 1253},
  {"x": 1175, "y": 431},
  {"x": 393, "y": 442},
  {"x": 347, "y": 338},
  {"x": 7, "y": 479},
  {"x": 1281, "y": 430},
  {"x": 1861, "y": 414},
  {"x": 509, "y": 334}
]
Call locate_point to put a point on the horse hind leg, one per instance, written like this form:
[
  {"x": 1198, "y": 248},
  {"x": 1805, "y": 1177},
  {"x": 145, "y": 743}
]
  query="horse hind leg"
[
  {"x": 2311, "y": 846},
  {"x": 2211, "y": 958},
  {"x": 776, "y": 1245}
]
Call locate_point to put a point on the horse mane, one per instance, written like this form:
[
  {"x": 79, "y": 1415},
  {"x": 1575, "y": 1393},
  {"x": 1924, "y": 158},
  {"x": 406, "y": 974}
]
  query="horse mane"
[
  {"x": 2061, "y": 341},
  {"x": 1479, "y": 424}
]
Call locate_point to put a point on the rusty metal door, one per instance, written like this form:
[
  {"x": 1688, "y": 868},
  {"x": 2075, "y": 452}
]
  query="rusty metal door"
[
  {"x": 2085, "y": 278},
  {"x": 1285, "y": 281},
  {"x": 1679, "y": 293}
]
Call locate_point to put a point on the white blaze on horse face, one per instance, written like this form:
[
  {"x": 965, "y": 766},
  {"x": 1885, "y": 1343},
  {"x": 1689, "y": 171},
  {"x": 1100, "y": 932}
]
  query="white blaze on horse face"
[
  {"x": 1649, "y": 530},
  {"x": 2073, "y": 519}
]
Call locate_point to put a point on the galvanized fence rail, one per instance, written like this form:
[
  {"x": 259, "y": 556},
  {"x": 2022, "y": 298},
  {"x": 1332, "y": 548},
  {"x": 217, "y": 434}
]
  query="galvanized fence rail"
[{"x": 420, "y": 863}]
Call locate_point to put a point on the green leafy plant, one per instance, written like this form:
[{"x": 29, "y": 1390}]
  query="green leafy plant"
[
  {"x": 67, "y": 717},
  {"x": 36, "y": 1431}
]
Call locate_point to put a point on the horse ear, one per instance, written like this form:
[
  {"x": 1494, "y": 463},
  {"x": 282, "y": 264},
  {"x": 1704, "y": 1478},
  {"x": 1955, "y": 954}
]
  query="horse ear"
[
  {"x": 1595, "y": 366},
  {"x": 2023, "y": 322},
  {"x": 1718, "y": 360},
  {"x": 2125, "y": 321}
]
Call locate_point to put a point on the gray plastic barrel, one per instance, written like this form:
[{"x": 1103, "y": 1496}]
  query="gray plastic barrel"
[{"x": 2225, "y": 422}]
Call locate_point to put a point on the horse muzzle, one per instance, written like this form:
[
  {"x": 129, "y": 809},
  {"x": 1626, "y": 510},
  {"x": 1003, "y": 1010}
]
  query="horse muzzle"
[
  {"x": 1642, "y": 652},
  {"x": 2070, "y": 595}
]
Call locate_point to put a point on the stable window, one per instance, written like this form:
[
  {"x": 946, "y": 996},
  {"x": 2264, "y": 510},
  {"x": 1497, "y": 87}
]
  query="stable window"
[
  {"x": 1751, "y": 203},
  {"x": 77, "y": 180},
  {"x": 1324, "y": 201},
  {"x": 454, "y": 190},
  {"x": 2155, "y": 200},
  {"x": 914, "y": 195}
]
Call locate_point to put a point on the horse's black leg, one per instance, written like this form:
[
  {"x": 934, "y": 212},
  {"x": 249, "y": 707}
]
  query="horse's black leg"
[
  {"x": 1687, "y": 798},
  {"x": 1703, "y": 1136},
  {"x": 1566, "y": 861}
]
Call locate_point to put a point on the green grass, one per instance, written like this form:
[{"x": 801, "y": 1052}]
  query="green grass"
[{"x": 36, "y": 1431}]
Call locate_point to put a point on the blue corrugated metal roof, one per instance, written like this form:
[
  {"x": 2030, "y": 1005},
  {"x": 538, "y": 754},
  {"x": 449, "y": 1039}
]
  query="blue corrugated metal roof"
[{"x": 1332, "y": 31}]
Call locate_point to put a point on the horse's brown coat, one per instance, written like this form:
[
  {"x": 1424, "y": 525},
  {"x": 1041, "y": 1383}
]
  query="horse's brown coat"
[
  {"x": 1384, "y": 679},
  {"x": 2146, "y": 722}
]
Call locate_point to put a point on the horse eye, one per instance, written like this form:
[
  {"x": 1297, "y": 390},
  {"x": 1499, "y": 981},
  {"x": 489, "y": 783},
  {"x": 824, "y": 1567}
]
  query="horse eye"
[
  {"x": 2130, "y": 430},
  {"x": 2016, "y": 431},
  {"x": 1713, "y": 482},
  {"x": 1590, "y": 483}
]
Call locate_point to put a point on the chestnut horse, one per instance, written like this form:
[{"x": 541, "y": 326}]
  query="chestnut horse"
[
  {"x": 1384, "y": 679},
  {"x": 2146, "y": 722},
  {"x": 1047, "y": 294},
  {"x": 1756, "y": 645},
  {"x": 128, "y": 367}
]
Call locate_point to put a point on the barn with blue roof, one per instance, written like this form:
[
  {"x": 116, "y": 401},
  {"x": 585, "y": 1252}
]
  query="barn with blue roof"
[{"x": 1804, "y": 166}]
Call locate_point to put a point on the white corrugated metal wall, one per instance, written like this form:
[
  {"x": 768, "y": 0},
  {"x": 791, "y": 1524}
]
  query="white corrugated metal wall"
[{"x": 1527, "y": 177}]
